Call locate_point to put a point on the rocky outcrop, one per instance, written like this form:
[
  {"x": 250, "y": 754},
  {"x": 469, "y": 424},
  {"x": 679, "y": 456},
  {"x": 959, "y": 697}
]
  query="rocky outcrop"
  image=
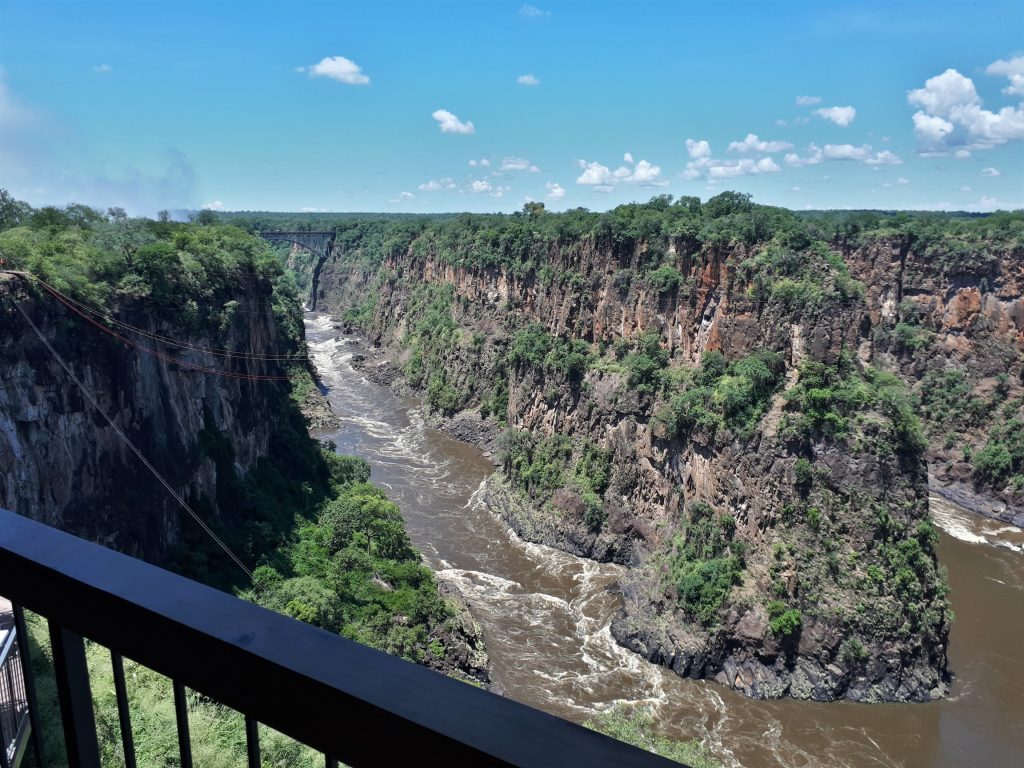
[
  {"x": 949, "y": 316},
  {"x": 456, "y": 645},
  {"x": 64, "y": 465},
  {"x": 820, "y": 543}
]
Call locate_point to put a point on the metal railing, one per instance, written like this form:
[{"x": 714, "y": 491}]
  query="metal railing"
[
  {"x": 349, "y": 702},
  {"x": 15, "y": 726}
]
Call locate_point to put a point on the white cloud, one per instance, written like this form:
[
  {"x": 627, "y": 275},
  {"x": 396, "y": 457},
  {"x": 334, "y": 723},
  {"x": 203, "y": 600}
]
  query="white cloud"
[
  {"x": 988, "y": 202},
  {"x": 902, "y": 180},
  {"x": 103, "y": 68},
  {"x": 703, "y": 164},
  {"x": 839, "y": 115},
  {"x": 990, "y": 172},
  {"x": 449, "y": 123},
  {"x": 698, "y": 150},
  {"x": 806, "y": 101},
  {"x": 944, "y": 93},
  {"x": 794, "y": 189},
  {"x": 729, "y": 169},
  {"x": 338, "y": 68},
  {"x": 931, "y": 129},
  {"x": 499, "y": 191},
  {"x": 480, "y": 186},
  {"x": 402, "y": 197},
  {"x": 864, "y": 153},
  {"x": 216, "y": 205},
  {"x": 527, "y": 80},
  {"x": 753, "y": 144},
  {"x": 555, "y": 191},
  {"x": 962, "y": 154},
  {"x": 483, "y": 161},
  {"x": 602, "y": 178},
  {"x": 1014, "y": 70},
  {"x": 646, "y": 173},
  {"x": 965, "y": 189},
  {"x": 312, "y": 210},
  {"x": 951, "y": 116},
  {"x": 518, "y": 164},
  {"x": 594, "y": 174},
  {"x": 436, "y": 185},
  {"x": 532, "y": 12}
]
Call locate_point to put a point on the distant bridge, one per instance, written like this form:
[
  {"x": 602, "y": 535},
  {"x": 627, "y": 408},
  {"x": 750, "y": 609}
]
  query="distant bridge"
[
  {"x": 314, "y": 242},
  {"x": 317, "y": 243}
]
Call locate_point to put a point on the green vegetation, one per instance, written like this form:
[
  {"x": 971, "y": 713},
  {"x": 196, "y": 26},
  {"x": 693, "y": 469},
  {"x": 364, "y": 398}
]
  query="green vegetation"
[
  {"x": 353, "y": 571},
  {"x": 637, "y": 728},
  {"x": 705, "y": 562},
  {"x": 539, "y": 466},
  {"x": 719, "y": 394},
  {"x": 664, "y": 279},
  {"x": 784, "y": 622},
  {"x": 330, "y": 548},
  {"x": 521, "y": 241},
  {"x": 646, "y": 363},
  {"x": 217, "y": 733},
  {"x": 802, "y": 280},
  {"x": 836, "y": 401},
  {"x": 853, "y": 653},
  {"x": 533, "y": 347},
  {"x": 1002, "y": 459}
]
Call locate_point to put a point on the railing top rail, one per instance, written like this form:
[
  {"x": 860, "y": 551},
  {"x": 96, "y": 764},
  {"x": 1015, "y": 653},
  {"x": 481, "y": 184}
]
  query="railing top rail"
[{"x": 352, "y": 702}]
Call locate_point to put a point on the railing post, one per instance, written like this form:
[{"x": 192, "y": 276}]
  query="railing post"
[
  {"x": 24, "y": 648},
  {"x": 181, "y": 716},
  {"x": 76, "y": 711},
  {"x": 123, "y": 714},
  {"x": 252, "y": 742}
]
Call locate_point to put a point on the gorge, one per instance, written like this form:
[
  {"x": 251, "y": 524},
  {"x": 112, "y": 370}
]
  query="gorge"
[
  {"x": 713, "y": 409},
  {"x": 722, "y": 434}
]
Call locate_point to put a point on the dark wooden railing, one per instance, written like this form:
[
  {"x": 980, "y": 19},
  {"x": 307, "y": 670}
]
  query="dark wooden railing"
[{"x": 350, "y": 702}]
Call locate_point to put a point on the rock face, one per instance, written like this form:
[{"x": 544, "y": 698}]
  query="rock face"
[
  {"x": 951, "y": 321},
  {"x": 65, "y": 466},
  {"x": 774, "y": 558}
]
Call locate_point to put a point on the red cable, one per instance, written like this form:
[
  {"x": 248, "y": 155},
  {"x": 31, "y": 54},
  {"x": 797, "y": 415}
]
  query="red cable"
[
  {"x": 162, "y": 356},
  {"x": 166, "y": 339}
]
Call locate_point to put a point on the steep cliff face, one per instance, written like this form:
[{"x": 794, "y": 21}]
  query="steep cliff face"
[
  {"x": 63, "y": 463},
  {"x": 950, "y": 319},
  {"x": 772, "y": 499}
]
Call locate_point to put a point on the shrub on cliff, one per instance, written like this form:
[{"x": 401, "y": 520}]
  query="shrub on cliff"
[
  {"x": 664, "y": 279},
  {"x": 720, "y": 394},
  {"x": 705, "y": 563},
  {"x": 835, "y": 400}
]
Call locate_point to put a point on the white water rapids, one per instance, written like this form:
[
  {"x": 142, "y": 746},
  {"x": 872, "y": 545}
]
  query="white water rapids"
[{"x": 546, "y": 614}]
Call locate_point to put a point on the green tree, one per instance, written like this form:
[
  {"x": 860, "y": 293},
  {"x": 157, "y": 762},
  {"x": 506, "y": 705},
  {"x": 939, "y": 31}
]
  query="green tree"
[{"x": 13, "y": 213}]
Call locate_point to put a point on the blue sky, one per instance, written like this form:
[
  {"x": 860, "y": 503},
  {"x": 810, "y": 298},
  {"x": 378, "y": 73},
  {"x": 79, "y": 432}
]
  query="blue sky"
[{"x": 479, "y": 106}]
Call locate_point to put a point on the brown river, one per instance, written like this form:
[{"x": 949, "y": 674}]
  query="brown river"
[{"x": 546, "y": 614}]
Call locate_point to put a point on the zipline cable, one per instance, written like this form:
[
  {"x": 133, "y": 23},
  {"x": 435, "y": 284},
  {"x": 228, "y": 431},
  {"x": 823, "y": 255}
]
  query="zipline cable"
[
  {"x": 166, "y": 339},
  {"x": 168, "y": 358},
  {"x": 177, "y": 497},
  {"x": 155, "y": 336}
]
